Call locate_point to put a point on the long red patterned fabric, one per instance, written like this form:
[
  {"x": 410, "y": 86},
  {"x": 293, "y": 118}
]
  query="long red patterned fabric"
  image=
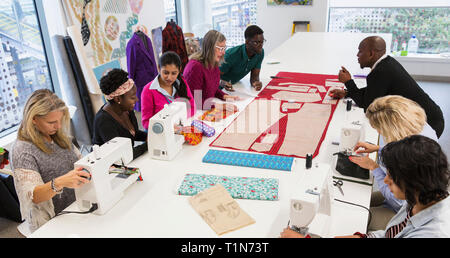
[{"x": 292, "y": 117}]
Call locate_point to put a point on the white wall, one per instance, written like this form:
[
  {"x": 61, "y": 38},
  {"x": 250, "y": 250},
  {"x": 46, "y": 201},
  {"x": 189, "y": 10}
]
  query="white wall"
[
  {"x": 155, "y": 15},
  {"x": 276, "y": 21}
]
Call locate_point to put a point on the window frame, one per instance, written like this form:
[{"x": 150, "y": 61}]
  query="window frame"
[
  {"x": 386, "y": 4},
  {"x": 46, "y": 44},
  {"x": 49, "y": 59}
]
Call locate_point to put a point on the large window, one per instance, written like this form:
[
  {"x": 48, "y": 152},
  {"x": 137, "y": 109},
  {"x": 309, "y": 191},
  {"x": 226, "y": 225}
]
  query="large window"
[
  {"x": 430, "y": 24},
  {"x": 170, "y": 10},
  {"x": 23, "y": 66},
  {"x": 230, "y": 17}
]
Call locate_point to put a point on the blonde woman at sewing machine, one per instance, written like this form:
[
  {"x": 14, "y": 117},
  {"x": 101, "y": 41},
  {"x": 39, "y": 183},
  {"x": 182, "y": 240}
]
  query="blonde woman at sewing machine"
[
  {"x": 394, "y": 117},
  {"x": 42, "y": 159}
]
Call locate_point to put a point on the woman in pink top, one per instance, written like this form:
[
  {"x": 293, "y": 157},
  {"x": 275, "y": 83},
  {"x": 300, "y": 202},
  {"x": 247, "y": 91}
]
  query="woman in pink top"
[
  {"x": 167, "y": 87},
  {"x": 202, "y": 71}
]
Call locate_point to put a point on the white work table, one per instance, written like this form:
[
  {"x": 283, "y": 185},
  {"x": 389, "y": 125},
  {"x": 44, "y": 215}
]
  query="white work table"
[{"x": 151, "y": 208}]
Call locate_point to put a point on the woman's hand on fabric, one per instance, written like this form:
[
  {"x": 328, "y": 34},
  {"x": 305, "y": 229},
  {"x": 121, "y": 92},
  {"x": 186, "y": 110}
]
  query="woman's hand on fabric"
[{"x": 364, "y": 162}]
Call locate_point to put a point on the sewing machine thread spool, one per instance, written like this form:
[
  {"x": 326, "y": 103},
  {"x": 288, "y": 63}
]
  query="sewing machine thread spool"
[
  {"x": 308, "y": 161},
  {"x": 349, "y": 104}
]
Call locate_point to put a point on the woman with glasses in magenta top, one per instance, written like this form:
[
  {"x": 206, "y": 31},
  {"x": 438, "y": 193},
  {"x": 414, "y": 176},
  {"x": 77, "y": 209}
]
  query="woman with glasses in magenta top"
[{"x": 202, "y": 71}]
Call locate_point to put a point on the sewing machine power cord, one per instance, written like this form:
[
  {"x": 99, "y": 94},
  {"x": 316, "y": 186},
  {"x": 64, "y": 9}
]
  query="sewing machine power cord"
[{"x": 370, "y": 213}]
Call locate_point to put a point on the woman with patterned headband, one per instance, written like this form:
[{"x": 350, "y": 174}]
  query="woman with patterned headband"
[{"x": 116, "y": 118}]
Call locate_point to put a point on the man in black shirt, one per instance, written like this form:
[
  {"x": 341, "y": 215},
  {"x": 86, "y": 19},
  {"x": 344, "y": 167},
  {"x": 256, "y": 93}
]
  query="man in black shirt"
[{"x": 387, "y": 77}]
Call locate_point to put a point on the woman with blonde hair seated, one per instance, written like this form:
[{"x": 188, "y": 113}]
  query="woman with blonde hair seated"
[
  {"x": 43, "y": 158},
  {"x": 395, "y": 118}
]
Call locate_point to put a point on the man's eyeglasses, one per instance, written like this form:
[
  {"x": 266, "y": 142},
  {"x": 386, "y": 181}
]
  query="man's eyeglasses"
[
  {"x": 257, "y": 42},
  {"x": 221, "y": 49}
]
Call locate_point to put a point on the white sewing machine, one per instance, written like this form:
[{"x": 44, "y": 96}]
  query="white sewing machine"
[
  {"x": 311, "y": 203},
  {"x": 351, "y": 133},
  {"x": 105, "y": 189},
  {"x": 162, "y": 142}
]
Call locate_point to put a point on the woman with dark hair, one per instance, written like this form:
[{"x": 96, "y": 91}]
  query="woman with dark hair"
[
  {"x": 116, "y": 118},
  {"x": 167, "y": 87},
  {"x": 417, "y": 171}
]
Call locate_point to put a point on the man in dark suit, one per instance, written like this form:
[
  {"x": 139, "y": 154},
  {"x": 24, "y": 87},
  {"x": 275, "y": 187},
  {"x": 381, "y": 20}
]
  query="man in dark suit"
[{"x": 387, "y": 77}]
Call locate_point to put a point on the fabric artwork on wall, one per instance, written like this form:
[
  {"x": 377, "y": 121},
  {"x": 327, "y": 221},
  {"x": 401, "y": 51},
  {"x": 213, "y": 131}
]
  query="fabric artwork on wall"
[
  {"x": 115, "y": 6},
  {"x": 87, "y": 13},
  {"x": 105, "y": 25},
  {"x": 283, "y": 121}
]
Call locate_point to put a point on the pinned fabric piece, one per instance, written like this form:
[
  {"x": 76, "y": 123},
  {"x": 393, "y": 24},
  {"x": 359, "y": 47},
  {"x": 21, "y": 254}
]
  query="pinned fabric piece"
[
  {"x": 300, "y": 119},
  {"x": 219, "y": 210},
  {"x": 207, "y": 130},
  {"x": 192, "y": 135}
]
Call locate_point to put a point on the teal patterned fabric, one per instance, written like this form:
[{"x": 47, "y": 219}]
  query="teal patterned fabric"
[
  {"x": 252, "y": 188},
  {"x": 235, "y": 158}
]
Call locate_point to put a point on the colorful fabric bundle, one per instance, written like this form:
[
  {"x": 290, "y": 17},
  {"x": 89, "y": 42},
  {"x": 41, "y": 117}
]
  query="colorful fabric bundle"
[
  {"x": 216, "y": 114},
  {"x": 4, "y": 157},
  {"x": 192, "y": 135},
  {"x": 207, "y": 130}
]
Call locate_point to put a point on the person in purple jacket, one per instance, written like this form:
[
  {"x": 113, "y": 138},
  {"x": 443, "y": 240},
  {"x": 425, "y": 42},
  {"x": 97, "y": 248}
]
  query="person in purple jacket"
[
  {"x": 169, "y": 86},
  {"x": 202, "y": 71},
  {"x": 140, "y": 63}
]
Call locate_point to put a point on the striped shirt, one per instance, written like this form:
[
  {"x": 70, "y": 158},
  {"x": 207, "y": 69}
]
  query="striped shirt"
[
  {"x": 394, "y": 230},
  {"x": 433, "y": 222}
]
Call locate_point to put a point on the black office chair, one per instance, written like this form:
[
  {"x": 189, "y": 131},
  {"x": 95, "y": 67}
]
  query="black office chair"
[{"x": 9, "y": 202}]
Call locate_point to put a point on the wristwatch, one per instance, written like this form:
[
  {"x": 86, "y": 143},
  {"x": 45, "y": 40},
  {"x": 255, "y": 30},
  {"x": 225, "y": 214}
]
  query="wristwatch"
[{"x": 54, "y": 187}]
